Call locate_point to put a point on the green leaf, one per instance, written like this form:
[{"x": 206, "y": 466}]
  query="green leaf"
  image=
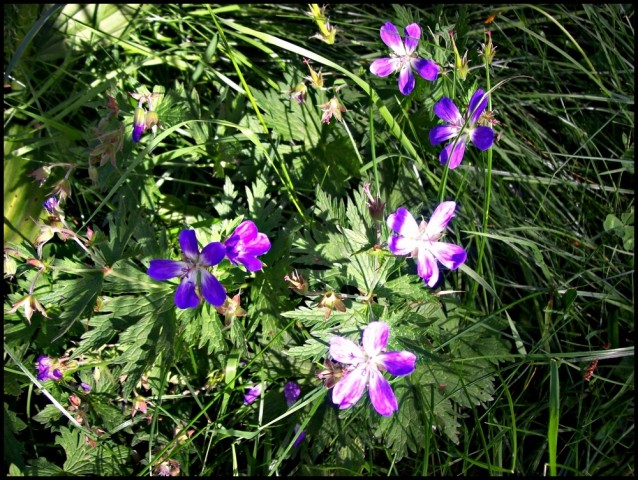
[{"x": 612, "y": 222}]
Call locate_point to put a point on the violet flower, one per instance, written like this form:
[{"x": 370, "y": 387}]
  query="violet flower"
[
  {"x": 253, "y": 392},
  {"x": 422, "y": 241},
  {"x": 292, "y": 391},
  {"x": 365, "y": 366},
  {"x": 50, "y": 204},
  {"x": 193, "y": 272},
  {"x": 139, "y": 123},
  {"x": 245, "y": 244},
  {"x": 403, "y": 58},
  {"x": 47, "y": 369},
  {"x": 460, "y": 128}
]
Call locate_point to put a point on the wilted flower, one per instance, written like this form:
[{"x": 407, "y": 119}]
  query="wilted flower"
[
  {"x": 252, "y": 393},
  {"x": 298, "y": 93},
  {"x": 422, "y": 241},
  {"x": 193, "y": 272},
  {"x": 139, "y": 405},
  {"x": 30, "y": 305},
  {"x": 331, "y": 373},
  {"x": 62, "y": 189},
  {"x": 48, "y": 368},
  {"x": 297, "y": 282},
  {"x": 244, "y": 244},
  {"x": 41, "y": 174},
  {"x": 403, "y": 58},
  {"x": 366, "y": 364},
  {"x": 460, "y": 128},
  {"x": 375, "y": 205},
  {"x": 231, "y": 309},
  {"x": 330, "y": 301},
  {"x": 330, "y": 108}
]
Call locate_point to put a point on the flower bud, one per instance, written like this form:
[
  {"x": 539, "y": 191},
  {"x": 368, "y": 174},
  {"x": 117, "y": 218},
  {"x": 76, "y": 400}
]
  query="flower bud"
[
  {"x": 152, "y": 120},
  {"x": 139, "y": 124}
]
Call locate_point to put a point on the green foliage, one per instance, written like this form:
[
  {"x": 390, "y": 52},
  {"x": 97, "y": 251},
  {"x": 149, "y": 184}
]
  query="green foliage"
[{"x": 524, "y": 353}]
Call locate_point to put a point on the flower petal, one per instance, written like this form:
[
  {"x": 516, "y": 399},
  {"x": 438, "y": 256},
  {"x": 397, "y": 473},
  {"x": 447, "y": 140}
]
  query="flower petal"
[
  {"x": 441, "y": 133},
  {"x": 440, "y": 218},
  {"x": 185, "y": 296},
  {"x": 258, "y": 245},
  {"x": 406, "y": 80},
  {"x": 188, "y": 243},
  {"x": 397, "y": 363},
  {"x": 390, "y": 36},
  {"x": 403, "y": 223},
  {"x": 213, "y": 291},
  {"x": 453, "y": 152},
  {"x": 251, "y": 263},
  {"x": 450, "y": 255},
  {"x": 382, "y": 67},
  {"x": 375, "y": 338},
  {"x": 482, "y": 137},
  {"x": 213, "y": 253},
  {"x": 165, "y": 269},
  {"x": 447, "y": 111},
  {"x": 381, "y": 394},
  {"x": 402, "y": 245},
  {"x": 412, "y": 37},
  {"x": 426, "y": 68},
  {"x": 477, "y": 105},
  {"x": 345, "y": 351},
  {"x": 246, "y": 230},
  {"x": 350, "y": 388},
  {"x": 427, "y": 268}
]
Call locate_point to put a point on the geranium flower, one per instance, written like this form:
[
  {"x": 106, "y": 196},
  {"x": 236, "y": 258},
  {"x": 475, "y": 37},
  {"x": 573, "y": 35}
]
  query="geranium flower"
[
  {"x": 365, "y": 366},
  {"x": 47, "y": 369},
  {"x": 403, "y": 58},
  {"x": 252, "y": 394},
  {"x": 292, "y": 391},
  {"x": 422, "y": 241},
  {"x": 193, "y": 272},
  {"x": 460, "y": 128},
  {"x": 245, "y": 244}
]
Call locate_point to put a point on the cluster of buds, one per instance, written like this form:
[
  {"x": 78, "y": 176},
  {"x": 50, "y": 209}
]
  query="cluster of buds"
[
  {"x": 327, "y": 32},
  {"x": 144, "y": 119}
]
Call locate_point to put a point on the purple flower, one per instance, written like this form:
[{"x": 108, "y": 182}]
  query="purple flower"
[
  {"x": 291, "y": 392},
  {"x": 252, "y": 394},
  {"x": 51, "y": 204},
  {"x": 46, "y": 369},
  {"x": 193, "y": 271},
  {"x": 422, "y": 241},
  {"x": 365, "y": 366},
  {"x": 245, "y": 244},
  {"x": 403, "y": 58},
  {"x": 460, "y": 128},
  {"x": 300, "y": 438},
  {"x": 86, "y": 387},
  {"x": 139, "y": 123}
]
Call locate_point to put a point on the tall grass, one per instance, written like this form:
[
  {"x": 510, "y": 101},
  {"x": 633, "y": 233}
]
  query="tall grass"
[{"x": 544, "y": 273}]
